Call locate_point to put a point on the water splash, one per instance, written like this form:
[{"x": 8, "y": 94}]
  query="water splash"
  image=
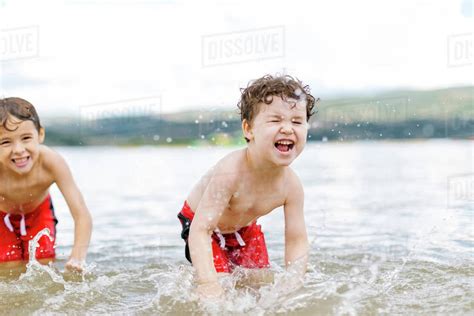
[
  {"x": 33, "y": 243},
  {"x": 34, "y": 266}
]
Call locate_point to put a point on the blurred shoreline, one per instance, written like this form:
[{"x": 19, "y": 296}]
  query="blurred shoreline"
[{"x": 396, "y": 115}]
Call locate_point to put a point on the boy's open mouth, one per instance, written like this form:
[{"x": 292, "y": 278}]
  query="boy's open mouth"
[
  {"x": 284, "y": 145},
  {"x": 21, "y": 162}
]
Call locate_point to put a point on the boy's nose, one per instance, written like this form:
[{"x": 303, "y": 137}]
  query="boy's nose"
[
  {"x": 286, "y": 129},
  {"x": 18, "y": 148}
]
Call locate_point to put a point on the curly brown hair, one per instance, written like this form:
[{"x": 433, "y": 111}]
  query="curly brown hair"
[
  {"x": 20, "y": 109},
  {"x": 263, "y": 89}
]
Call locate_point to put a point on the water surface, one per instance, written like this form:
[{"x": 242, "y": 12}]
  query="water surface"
[{"x": 390, "y": 226}]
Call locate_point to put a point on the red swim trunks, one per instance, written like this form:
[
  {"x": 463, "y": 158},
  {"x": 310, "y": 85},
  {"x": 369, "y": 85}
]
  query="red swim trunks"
[
  {"x": 245, "y": 248},
  {"x": 17, "y": 230}
]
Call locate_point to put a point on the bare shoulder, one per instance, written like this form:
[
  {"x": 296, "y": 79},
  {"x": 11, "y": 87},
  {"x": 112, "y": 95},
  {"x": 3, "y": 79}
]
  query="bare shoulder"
[
  {"x": 222, "y": 177},
  {"x": 294, "y": 186},
  {"x": 51, "y": 160},
  {"x": 230, "y": 167}
]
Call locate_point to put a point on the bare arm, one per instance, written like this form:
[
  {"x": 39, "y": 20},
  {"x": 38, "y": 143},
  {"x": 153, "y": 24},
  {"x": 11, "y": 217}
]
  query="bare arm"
[
  {"x": 78, "y": 209},
  {"x": 214, "y": 201},
  {"x": 296, "y": 239}
]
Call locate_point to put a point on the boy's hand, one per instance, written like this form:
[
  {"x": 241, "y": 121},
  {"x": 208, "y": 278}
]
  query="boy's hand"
[
  {"x": 209, "y": 290},
  {"x": 75, "y": 265}
]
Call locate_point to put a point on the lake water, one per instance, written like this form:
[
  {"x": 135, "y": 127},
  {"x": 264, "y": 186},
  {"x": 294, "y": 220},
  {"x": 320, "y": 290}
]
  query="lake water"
[{"x": 390, "y": 226}]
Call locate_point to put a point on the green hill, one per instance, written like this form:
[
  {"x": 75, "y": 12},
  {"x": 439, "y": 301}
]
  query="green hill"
[{"x": 391, "y": 115}]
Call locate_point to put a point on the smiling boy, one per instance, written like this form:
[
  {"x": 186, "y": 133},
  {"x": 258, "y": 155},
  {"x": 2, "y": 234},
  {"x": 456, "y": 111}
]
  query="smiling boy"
[
  {"x": 27, "y": 170},
  {"x": 219, "y": 216}
]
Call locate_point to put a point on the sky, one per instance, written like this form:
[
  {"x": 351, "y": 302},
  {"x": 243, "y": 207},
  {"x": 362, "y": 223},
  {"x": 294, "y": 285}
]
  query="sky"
[{"x": 72, "y": 57}]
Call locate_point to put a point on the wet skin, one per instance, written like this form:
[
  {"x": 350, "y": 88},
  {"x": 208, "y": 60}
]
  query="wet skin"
[
  {"x": 250, "y": 183},
  {"x": 27, "y": 170}
]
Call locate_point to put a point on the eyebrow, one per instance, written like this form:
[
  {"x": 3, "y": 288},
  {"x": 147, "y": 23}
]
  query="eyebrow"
[
  {"x": 22, "y": 135},
  {"x": 299, "y": 117},
  {"x": 273, "y": 115}
]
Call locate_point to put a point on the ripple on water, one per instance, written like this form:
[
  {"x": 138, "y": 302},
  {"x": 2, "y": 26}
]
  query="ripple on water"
[
  {"x": 340, "y": 284},
  {"x": 385, "y": 240}
]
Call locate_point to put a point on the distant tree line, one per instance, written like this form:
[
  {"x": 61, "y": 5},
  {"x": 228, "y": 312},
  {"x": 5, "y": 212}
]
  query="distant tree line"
[{"x": 444, "y": 113}]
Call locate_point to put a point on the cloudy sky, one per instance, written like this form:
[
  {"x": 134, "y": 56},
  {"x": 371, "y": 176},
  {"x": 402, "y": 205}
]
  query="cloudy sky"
[{"x": 64, "y": 56}]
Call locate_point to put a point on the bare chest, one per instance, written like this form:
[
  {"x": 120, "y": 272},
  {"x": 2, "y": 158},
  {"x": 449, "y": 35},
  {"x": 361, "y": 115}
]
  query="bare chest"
[
  {"x": 247, "y": 205},
  {"x": 23, "y": 196}
]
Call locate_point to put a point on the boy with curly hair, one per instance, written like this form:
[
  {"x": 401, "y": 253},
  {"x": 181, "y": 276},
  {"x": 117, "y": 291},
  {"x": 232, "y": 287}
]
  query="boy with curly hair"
[
  {"x": 27, "y": 170},
  {"x": 219, "y": 215}
]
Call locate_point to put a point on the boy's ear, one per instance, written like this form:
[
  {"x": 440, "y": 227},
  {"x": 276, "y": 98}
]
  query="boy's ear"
[
  {"x": 41, "y": 135},
  {"x": 247, "y": 129}
]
